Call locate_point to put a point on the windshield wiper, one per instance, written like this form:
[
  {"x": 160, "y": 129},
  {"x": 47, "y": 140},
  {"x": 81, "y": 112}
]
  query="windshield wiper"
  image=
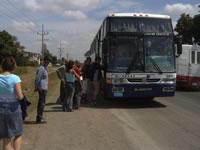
[
  {"x": 154, "y": 64},
  {"x": 131, "y": 64}
]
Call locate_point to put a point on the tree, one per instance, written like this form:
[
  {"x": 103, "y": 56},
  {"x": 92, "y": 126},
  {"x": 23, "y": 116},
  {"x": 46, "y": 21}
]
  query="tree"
[
  {"x": 196, "y": 28},
  {"x": 54, "y": 60},
  {"x": 46, "y": 51},
  {"x": 199, "y": 7},
  {"x": 9, "y": 46},
  {"x": 184, "y": 28}
]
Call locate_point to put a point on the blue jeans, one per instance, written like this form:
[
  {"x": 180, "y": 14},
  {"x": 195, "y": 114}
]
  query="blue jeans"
[
  {"x": 41, "y": 104},
  {"x": 68, "y": 102},
  {"x": 77, "y": 95}
]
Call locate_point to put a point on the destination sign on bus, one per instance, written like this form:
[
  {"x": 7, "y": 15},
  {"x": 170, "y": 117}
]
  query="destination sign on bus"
[{"x": 127, "y": 76}]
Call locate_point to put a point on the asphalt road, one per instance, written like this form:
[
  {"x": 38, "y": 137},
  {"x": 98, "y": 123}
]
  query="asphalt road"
[{"x": 163, "y": 124}]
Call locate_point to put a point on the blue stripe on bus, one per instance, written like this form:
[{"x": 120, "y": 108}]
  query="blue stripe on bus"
[{"x": 129, "y": 90}]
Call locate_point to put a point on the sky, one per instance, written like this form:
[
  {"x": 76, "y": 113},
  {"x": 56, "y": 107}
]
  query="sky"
[{"x": 72, "y": 24}]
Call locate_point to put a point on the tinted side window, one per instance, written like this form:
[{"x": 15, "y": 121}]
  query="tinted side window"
[{"x": 193, "y": 57}]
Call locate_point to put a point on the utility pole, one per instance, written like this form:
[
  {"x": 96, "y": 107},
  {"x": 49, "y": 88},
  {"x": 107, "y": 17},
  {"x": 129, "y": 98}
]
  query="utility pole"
[
  {"x": 67, "y": 55},
  {"x": 42, "y": 34},
  {"x": 60, "y": 51}
]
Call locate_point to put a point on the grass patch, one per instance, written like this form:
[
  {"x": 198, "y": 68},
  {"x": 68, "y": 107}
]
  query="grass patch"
[{"x": 18, "y": 70}]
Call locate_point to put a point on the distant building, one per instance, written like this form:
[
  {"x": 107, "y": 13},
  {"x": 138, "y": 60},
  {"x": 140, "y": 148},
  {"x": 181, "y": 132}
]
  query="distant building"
[{"x": 32, "y": 56}]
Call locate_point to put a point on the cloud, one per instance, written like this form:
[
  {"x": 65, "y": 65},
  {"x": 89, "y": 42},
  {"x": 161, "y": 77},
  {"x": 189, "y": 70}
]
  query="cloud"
[
  {"x": 23, "y": 26},
  {"x": 85, "y": 5},
  {"x": 74, "y": 14},
  {"x": 32, "y": 5},
  {"x": 57, "y": 5},
  {"x": 175, "y": 10}
]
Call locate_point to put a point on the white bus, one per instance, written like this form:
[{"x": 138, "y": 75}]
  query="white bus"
[
  {"x": 138, "y": 54},
  {"x": 188, "y": 67}
]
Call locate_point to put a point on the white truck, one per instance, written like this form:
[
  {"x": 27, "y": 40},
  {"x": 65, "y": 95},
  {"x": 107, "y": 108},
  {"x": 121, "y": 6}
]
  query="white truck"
[{"x": 188, "y": 67}]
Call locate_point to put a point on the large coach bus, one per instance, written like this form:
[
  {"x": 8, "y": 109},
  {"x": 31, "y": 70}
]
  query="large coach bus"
[{"x": 138, "y": 54}]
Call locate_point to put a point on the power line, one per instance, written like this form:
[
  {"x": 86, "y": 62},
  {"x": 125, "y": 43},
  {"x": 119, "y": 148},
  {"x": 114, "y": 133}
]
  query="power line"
[
  {"x": 13, "y": 18},
  {"x": 7, "y": 15},
  {"x": 14, "y": 5},
  {"x": 6, "y": 8},
  {"x": 19, "y": 18}
]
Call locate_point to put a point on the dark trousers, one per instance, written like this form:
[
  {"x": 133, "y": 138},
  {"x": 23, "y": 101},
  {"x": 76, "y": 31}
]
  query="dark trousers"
[
  {"x": 77, "y": 95},
  {"x": 41, "y": 104},
  {"x": 62, "y": 91}
]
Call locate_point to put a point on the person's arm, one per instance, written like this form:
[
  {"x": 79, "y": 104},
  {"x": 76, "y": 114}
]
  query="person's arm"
[
  {"x": 82, "y": 68},
  {"x": 19, "y": 93},
  {"x": 58, "y": 74},
  {"x": 38, "y": 78},
  {"x": 77, "y": 76}
]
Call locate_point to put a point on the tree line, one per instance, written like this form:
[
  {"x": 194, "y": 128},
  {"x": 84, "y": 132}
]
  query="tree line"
[
  {"x": 10, "y": 46},
  {"x": 188, "y": 28}
]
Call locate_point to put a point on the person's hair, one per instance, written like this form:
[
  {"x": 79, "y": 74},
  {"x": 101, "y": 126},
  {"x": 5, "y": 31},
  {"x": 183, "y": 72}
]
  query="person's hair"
[
  {"x": 46, "y": 58},
  {"x": 77, "y": 62},
  {"x": 69, "y": 65},
  {"x": 89, "y": 58},
  {"x": 97, "y": 58},
  {"x": 8, "y": 64}
]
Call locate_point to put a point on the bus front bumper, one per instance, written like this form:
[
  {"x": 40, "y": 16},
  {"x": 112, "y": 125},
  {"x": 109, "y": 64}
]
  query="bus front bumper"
[{"x": 139, "y": 90}]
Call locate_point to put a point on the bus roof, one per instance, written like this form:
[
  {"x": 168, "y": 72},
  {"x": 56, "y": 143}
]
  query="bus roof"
[{"x": 139, "y": 15}]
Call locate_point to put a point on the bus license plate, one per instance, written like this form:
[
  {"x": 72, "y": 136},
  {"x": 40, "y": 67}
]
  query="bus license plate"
[{"x": 118, "y": 94}]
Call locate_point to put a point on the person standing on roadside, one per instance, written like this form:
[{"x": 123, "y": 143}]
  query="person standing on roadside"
[
  {"x": 11, "y": 122},
  {"x": 61, "y": 74},
  {"x": 96, "y": 78},
  {"x": 86, "y": 73},
  {"x": 70, "y": 75},
  {"x": 41, "y": 85},
  {"x": 78, "y": 86}
]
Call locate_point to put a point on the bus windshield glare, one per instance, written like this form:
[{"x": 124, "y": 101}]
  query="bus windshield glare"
[{"x": 141, "y": 54}]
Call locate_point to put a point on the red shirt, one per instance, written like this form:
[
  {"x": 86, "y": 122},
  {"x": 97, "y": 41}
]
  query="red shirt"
[{"x": 78, "y": 71}]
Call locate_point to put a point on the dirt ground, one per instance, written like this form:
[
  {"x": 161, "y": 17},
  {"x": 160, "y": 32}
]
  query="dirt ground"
[
  {"x": 163, "y": 124},
  {"x": 89, "y": 128}
]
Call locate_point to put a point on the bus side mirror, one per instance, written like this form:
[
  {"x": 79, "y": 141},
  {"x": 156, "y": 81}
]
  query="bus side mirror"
[{"x": 178, "y": 45}]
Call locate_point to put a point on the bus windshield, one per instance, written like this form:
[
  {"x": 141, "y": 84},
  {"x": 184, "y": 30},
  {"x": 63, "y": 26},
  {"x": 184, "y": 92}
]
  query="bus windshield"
[
  {"x": 125, "y": 51},
  {"x": 160, "y": 50},
  {"x": 141, "y": 25},
  {"x": 141, "y": 54}
]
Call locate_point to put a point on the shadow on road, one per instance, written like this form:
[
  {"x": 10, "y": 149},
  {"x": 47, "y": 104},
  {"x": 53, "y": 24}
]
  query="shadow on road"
[
  {"x": 113, "y": 103},
  {"x": 29, "y": 122},
  {"x": 127, "y": 104},
  {"x": 49, "y": 104},
  {"x": 187, "y": 89}
]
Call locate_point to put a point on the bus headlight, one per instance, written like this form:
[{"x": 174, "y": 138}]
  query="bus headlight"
[{"x": 117, "y": 81}]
